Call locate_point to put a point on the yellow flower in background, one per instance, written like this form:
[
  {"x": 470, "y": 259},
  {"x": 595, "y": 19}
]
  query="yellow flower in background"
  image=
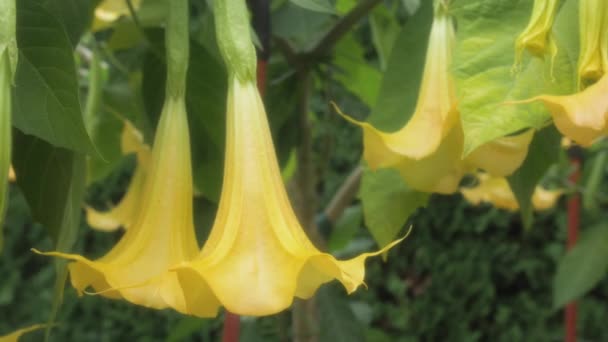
[
  {"x": 581, "y": 116},
  {"x": 14, "y": 336},
  {"x": 496, "y": 191},
  {"x": 257, "y": 257},
  {"x": 108, "y": 11},
  {"x": 161, "y": 236},
  {"x": 11, "y": 174},
  {"x": 442, "y": 171},
  {"x": 593, "y": 29},
  {"x": 537, "y": 37},
  {"x": 501, "y": 157},
  {"x": 435, "y": 114},
  {"x": 125, "y": 212}
]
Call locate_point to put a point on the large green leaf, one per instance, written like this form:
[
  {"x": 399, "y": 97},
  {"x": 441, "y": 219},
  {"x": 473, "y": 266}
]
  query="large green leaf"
[
  {"x": 387, "y": 203},
  {"x": 46, "y": 94},
  {"x": 385, "y": 29},
  {"x": 75, "y": 15},
  {"x": 543, "y": 152},
  {"x": 399, "y": 87},
  {"x": 52, "y": 180},
  {"x": 582, "y": 267},
  {"x": 483, "y": 67}
]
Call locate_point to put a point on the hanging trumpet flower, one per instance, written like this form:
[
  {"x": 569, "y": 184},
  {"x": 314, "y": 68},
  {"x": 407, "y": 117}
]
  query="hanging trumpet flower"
[
  {"x": 537, "y": 37},
  {"x": 593, "y": 30},
  {"x": 162, "y": 234},
  {"x": 582, "y": 116},
  {"x": 258, "y": 257},
  {"x": 427, "y": 151},
  {"x": 435, "y": 114},
  {"x": 496, "y": 191},
  {"x": 125, "y": 212},
  {"x": 8, "y": 64}
]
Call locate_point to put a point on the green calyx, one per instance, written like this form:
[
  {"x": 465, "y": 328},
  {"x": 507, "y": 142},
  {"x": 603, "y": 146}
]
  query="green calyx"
[
  {"x": 177, "y": 46},
  {"x": 8, "y": 37},
  {"x": 234, "y": 38}
]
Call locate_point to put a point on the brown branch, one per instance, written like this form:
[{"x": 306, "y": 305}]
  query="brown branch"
[
  {"x": 342, "y": 27},
  {"x": 344, "y": 196},
  {"x": 304, "y": 60}
]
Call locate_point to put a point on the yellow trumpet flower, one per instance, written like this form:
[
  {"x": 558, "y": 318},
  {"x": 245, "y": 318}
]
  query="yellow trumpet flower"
[
  {"x": 496, "y": 190},
  {"x": 593, "y": 29},
  {"x": 257, "y": 257},
  {"x": 108, "y": 11},
  {"x": 125, "y": 212},
  {"x": 11, "y": 174},
  {"x": 427, "y": 150},
  {"x": 582, "y": 116},
  {"x": 537, "y": 35},
  {"x": 435, "y": 114},
  {"x": 14, "y": 336},
  {"x": 161, "y": 236}
]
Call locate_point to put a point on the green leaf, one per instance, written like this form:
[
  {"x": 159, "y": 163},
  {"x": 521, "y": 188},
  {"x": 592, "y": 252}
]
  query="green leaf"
[
  {"x": 75, "y": 15},
  {"x": 542, "y": 153},
  {"x": 385, "y": 29},
  {"x": 8, "y": 37},
  {"x": 323, "y": 6},
  {"x": 46, "y": 102},
  {"x": 483, "y": 68},
  {"x": 355, "y": 73},
  {"x": 52, "y": 180},
  {"x": 338, "y": 323},
  {"x": 582, "y": 267},
  {"x": 387, "y": 203},
  {"x": 399, "y": 87},
  {"x": 302, "y": 28}
]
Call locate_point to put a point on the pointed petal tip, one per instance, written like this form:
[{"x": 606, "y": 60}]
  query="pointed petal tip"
[{"x": 348, "y": 118}]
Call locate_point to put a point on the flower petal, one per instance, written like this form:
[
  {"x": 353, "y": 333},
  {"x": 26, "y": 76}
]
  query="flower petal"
[
  {"x": 502, "y": 156},
  {"x": 581, "y": 116}
]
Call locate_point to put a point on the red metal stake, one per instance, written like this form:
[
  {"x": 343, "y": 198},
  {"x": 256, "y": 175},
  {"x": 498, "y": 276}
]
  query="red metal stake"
[
  {"x": 574, "y": 207},
  {"x": 232, "y": 325}
]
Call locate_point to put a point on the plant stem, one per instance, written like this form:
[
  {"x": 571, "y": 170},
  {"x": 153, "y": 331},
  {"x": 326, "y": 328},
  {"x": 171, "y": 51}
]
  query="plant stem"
[{"x": 305, "y": 318}]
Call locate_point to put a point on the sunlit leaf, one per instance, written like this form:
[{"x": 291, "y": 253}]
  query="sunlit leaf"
[
  {"x": 485, "y": 74},
  {"x": 354, "y": 72},
  {"x": 387, "y": 203}
]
